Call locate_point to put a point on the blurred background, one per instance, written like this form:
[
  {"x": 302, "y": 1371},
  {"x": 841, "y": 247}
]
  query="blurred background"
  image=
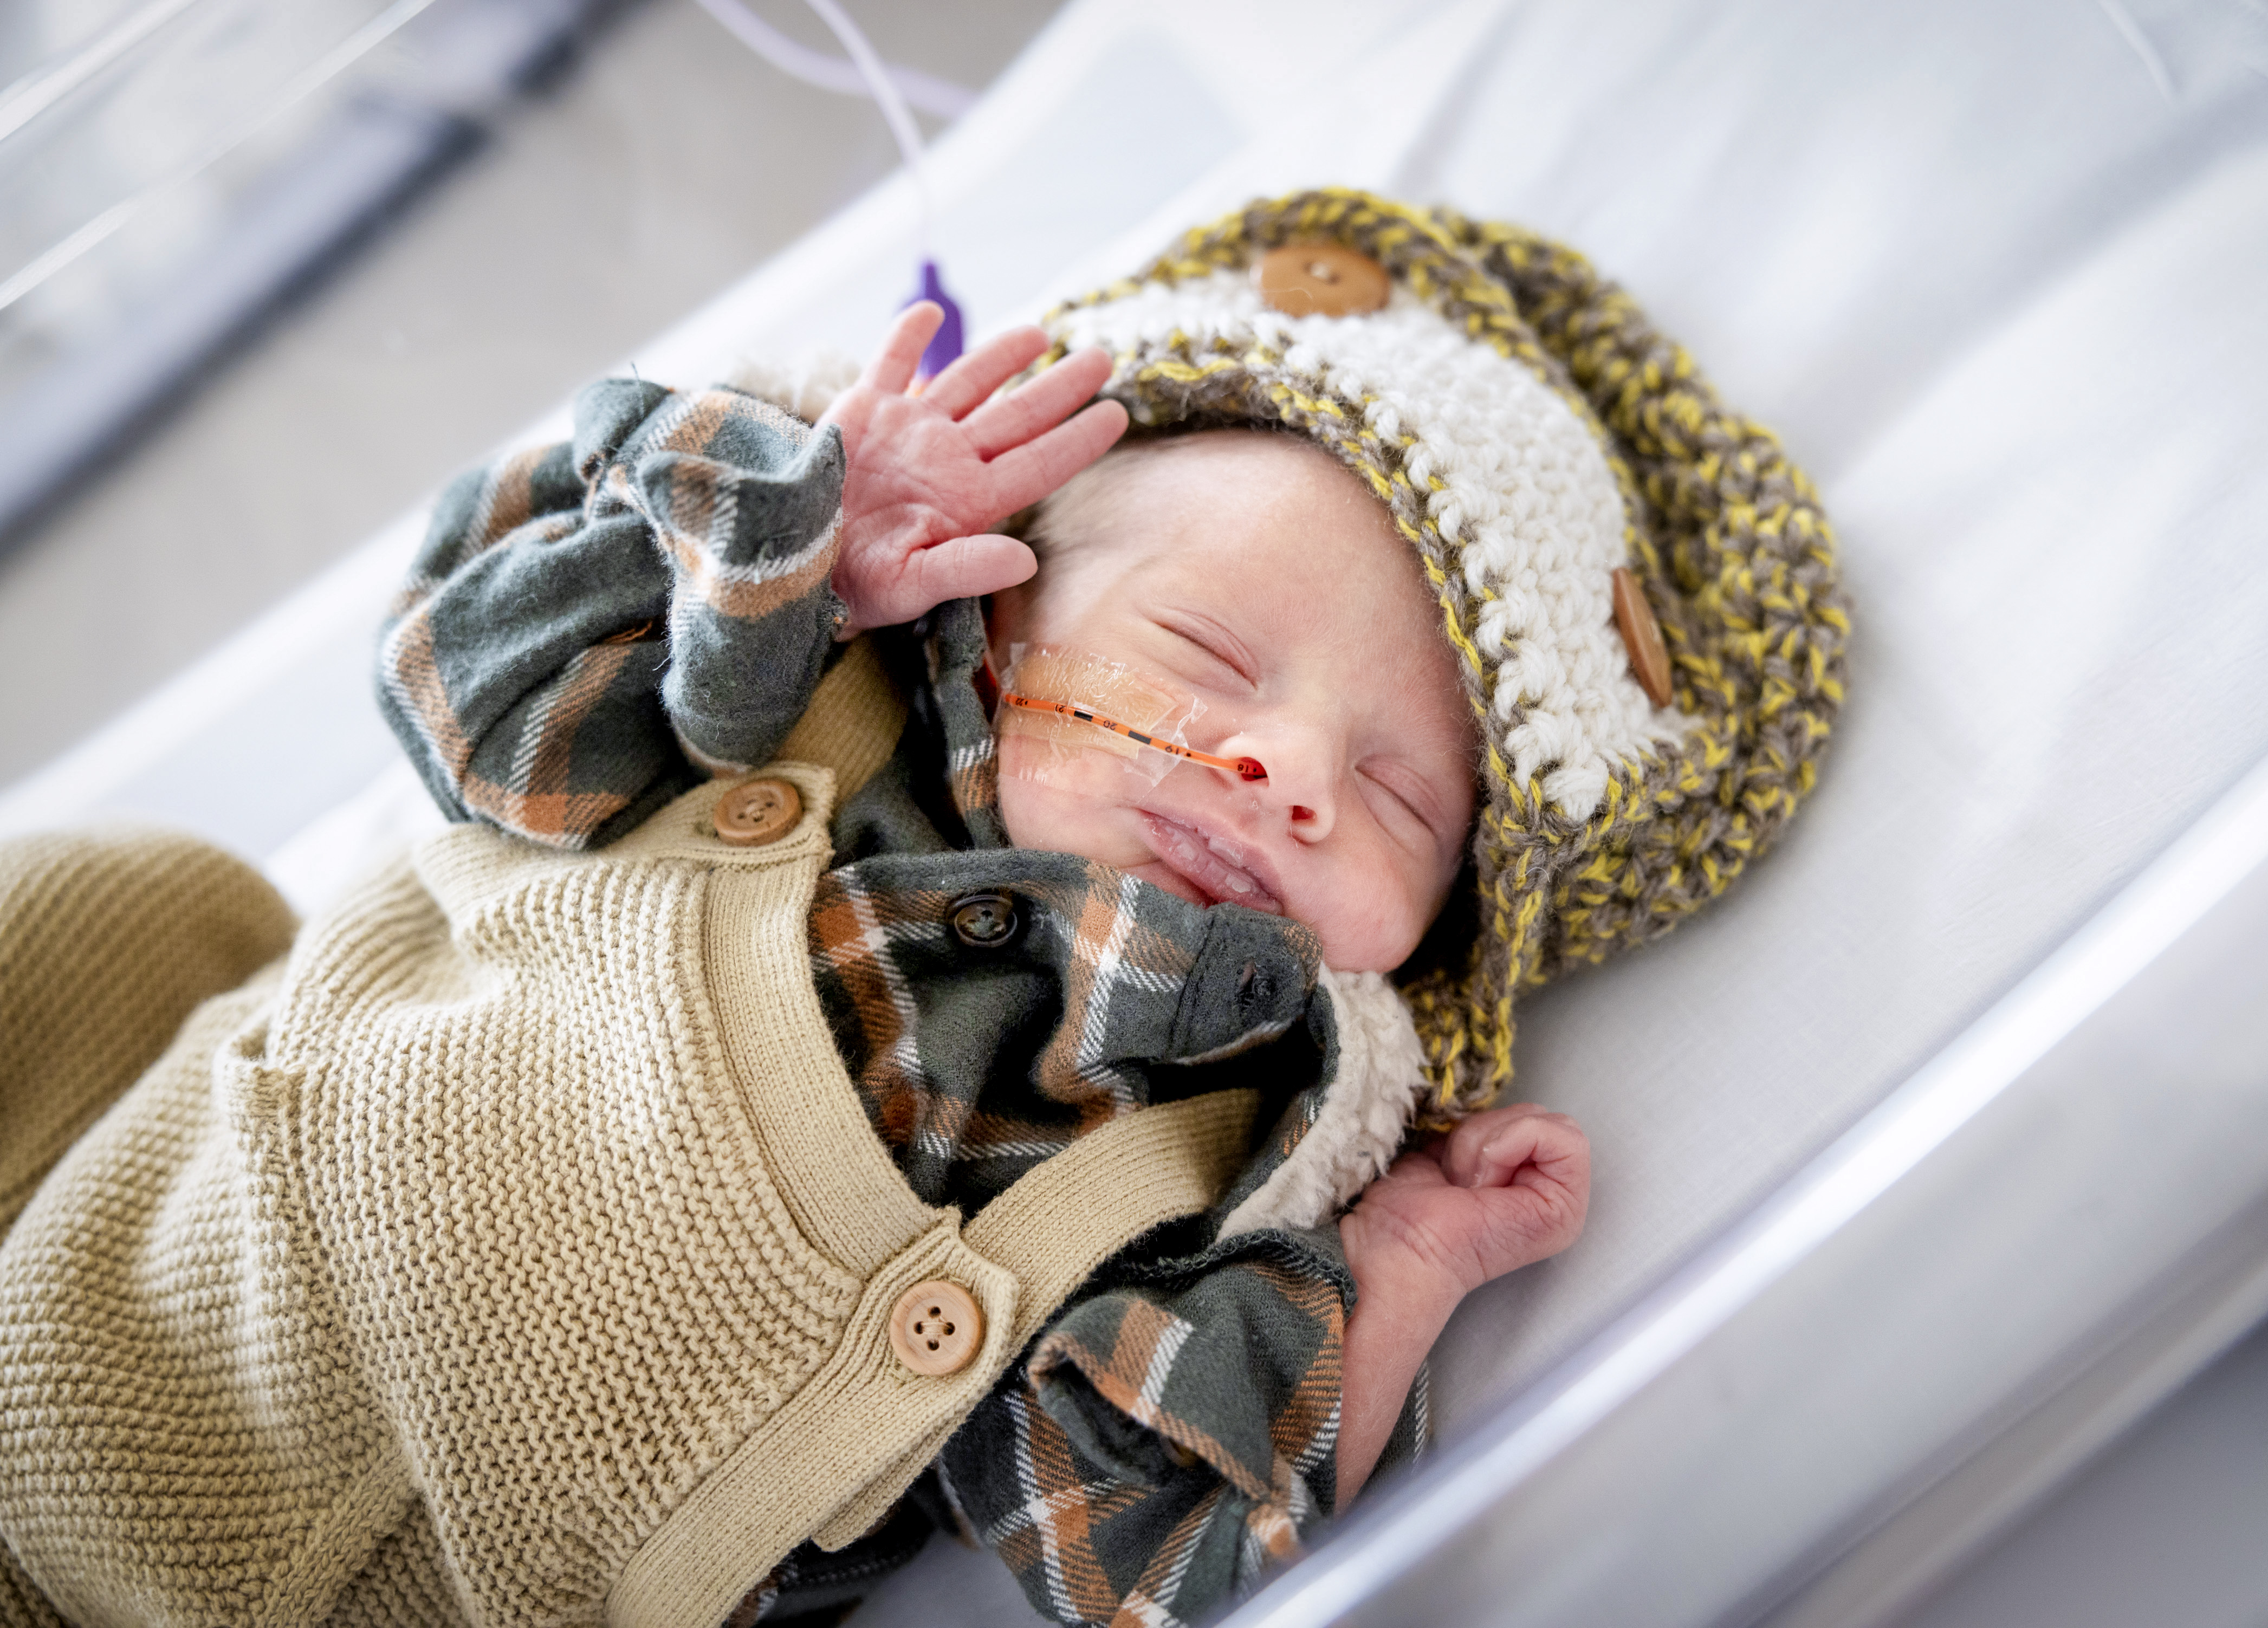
[{"x": 270, "y": 273}]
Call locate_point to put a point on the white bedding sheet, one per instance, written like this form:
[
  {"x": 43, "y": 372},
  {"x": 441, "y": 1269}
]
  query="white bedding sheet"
[{"x": 1995, "y": 274}]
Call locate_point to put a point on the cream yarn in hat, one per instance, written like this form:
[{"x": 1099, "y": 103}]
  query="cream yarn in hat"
[{"x": 1530, "y": 433}]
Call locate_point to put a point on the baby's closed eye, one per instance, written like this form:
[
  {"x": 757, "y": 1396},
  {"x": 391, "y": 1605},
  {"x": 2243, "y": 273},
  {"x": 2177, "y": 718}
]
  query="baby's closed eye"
[
  {"x": 1212, "y": 649},
  {"x": 1401, "y": 798}
]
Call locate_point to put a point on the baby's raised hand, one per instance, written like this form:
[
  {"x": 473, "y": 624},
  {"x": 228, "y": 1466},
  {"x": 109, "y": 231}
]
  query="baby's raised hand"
[
  {"x": 926, "y": 475},
  {"x": 1504, "y": 1189}
]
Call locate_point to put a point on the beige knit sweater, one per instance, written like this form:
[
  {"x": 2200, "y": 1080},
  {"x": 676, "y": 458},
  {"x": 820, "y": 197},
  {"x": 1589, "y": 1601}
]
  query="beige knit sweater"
[{"x": 516, "y": 1251}]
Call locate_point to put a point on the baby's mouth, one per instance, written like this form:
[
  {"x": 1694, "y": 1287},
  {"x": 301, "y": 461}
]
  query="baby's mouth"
[{"x": 1208, "y": 864}]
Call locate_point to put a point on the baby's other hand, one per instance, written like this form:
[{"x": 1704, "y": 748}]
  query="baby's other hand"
[
  {"x": 1506, "y": 1188},
  {"x": 926, "y": 474}
]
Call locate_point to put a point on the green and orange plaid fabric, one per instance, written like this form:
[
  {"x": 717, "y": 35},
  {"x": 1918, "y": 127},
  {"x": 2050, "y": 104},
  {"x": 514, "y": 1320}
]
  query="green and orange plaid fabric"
[
  {"x": 591, "y": 629},
  {"x": 1173, "y": 1442},
  {"x": 975, "y": 1064}
]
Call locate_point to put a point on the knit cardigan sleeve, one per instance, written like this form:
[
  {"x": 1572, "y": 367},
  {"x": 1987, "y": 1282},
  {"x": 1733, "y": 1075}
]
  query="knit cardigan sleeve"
[{"x": 593, "y": 627}]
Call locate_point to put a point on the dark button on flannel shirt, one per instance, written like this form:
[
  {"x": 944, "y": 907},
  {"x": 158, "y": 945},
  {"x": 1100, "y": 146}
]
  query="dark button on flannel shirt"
[{"x": 594, "y": 628}]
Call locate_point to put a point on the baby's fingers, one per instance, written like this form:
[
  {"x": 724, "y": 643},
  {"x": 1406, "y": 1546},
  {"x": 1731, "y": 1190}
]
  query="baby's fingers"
[
  {"x": 959, "y": 567},
  {"x": 1016, "y": 417},
  {"x": 1529, "y": 1222},
  {"x": 892, "y": 370},
  {"x": 1024, "y": 474},
  {"x": 968, "y": 380},
  {"x": 1489, "y": 1149}
]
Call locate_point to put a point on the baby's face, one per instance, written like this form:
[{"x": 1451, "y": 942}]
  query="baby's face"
[{"x": 1254, "y": 572}]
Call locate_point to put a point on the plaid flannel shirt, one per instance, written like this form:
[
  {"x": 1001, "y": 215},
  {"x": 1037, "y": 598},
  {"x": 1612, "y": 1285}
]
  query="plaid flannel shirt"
[{"x": 593, "y": 628}]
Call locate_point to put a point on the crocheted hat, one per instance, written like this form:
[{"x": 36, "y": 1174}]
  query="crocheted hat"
[{"x": 1531, "y": 435}]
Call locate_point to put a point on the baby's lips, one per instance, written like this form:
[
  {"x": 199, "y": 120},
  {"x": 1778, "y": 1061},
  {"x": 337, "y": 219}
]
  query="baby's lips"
[{"x": 1228, "y": 877}]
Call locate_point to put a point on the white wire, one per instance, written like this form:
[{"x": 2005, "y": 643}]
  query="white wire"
[
  {"x": 924, "y": 92},
  {"x": 886, "y": 96},
  {"x": 881, "y": 80}
]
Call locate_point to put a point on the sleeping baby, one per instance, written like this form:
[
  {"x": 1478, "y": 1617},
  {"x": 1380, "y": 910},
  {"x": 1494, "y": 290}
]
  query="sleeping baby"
[{"x": 971, "y": 977}]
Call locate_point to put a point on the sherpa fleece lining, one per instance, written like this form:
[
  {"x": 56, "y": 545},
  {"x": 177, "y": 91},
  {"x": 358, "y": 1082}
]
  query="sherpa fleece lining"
[{"x": 1381, "y": 1072}]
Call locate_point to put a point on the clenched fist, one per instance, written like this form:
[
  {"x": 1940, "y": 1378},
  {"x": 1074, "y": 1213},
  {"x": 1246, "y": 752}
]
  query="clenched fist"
[{"x": 1504, "y": 1189}]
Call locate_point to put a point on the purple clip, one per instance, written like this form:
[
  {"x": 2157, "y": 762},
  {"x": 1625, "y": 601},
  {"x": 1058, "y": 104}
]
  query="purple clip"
[{"x": 945, "y": 347}]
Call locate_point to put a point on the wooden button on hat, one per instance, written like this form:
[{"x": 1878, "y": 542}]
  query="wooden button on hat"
[
  {"x": 1649, "y": 657},
  {"x": 1320, "y": 279}
]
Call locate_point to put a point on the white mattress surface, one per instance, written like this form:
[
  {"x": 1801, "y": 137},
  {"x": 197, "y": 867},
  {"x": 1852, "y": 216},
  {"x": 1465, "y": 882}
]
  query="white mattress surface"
[{"x": 1994, "y": 272}]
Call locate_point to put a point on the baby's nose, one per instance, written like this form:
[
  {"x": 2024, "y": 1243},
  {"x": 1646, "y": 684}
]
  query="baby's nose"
[{"x": 1302, "y": 764}]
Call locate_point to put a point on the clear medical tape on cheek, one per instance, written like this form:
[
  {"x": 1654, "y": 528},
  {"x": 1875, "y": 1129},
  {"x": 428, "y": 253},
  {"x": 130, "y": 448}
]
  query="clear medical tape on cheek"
[{"x": 1071, "y": 704}]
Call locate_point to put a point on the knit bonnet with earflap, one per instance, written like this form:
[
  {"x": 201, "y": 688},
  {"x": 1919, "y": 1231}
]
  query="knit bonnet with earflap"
[{"x": 1532, "y": 436}]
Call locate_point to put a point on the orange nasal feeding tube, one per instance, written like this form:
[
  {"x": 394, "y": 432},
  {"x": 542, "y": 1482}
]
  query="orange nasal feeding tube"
[{"x": 1246, "y": 768}]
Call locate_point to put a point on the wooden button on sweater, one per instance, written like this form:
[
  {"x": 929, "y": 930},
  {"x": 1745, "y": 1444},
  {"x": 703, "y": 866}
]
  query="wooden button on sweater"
[
  {"x": 1320, "y": 279},
  {"x": 756, "y": 811},
  {"x": 935, "y": 1328}
]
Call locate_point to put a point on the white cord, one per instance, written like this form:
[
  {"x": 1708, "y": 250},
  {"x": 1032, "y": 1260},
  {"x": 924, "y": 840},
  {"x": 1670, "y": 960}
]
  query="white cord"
[
  {"x": 922, "y": 91},
  {"x": 884, "y": 83},
  {"x": 885, "y": 95}
]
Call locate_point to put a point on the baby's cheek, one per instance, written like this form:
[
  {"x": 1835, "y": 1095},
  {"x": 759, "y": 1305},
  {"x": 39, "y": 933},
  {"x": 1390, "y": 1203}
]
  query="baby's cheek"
[
  {"x": 1365, "y": 912},
  {"x": 1023, "y": 809},
  {"x": 1056, "y": 816}
]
